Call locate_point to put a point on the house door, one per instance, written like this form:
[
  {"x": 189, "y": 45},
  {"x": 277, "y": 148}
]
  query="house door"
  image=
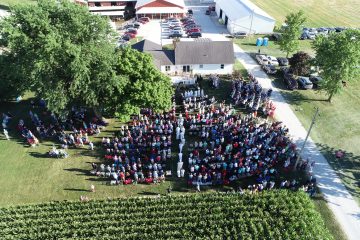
[
  {"x": 220, "y": 16},
  {"x": 186, "y": 68},
  {"x": 226, "y": 20}
]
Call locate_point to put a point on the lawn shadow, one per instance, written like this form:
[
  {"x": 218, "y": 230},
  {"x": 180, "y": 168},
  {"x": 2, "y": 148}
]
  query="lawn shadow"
[
  {"x": 76, "y": 190},
  {"x": 40, "y": 155},
  {"x": 79, "y": 170},
  {"x": 347, "y": 168},
  {"x": 146, "y": 193}
]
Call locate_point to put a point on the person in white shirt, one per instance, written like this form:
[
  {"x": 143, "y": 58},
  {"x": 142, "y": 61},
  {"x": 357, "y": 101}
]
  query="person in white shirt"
[
  {"x": 181, "y": 145},
  {"x": 91, "y": 145},
  {"x": 6, "y": 133}
]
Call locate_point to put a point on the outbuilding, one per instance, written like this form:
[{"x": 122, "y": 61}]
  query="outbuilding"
[
  {"x": 244, "y": 16},
  {"x": 160, "y": 9}
]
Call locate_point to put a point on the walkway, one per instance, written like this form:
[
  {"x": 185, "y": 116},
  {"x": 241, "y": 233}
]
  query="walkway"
[{"x": 340, "y": 201}]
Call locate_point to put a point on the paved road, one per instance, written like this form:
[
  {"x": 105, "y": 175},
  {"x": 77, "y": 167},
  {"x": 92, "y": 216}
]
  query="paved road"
[{"x": 339, "y": 199}]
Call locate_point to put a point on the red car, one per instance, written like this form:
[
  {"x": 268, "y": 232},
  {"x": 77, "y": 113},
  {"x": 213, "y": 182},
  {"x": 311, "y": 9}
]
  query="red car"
[
  {"x": 130, "y": 34},
  {"x": 193, "y": 30},
  {"x": 145, "y": 19},
  {"x": 188, "y": 23}
]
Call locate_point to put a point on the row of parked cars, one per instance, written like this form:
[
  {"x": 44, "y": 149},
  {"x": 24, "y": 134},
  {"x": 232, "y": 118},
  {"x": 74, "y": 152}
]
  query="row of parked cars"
[
  {"x": 270, "y": 65},
  {"x": 299, "y": 82},
  {"x": 131, "y": 29},
  {"x": 311, "y": 33},
  {"x": 178, "y": 28}
]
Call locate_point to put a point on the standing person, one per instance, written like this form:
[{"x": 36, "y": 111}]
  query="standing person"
[
  {"x": 181, "y": 145},
  {"x": 169, "y": 189},
  {"x": 91, "y": 145},
  {"x": 198, "y": 186},
  {"x": 6, "y": 133},
  {"x": 92, "y": 188}
]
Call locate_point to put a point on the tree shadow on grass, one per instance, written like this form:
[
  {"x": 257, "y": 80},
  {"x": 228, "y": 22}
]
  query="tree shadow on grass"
[{"x": 347, "y": 168}]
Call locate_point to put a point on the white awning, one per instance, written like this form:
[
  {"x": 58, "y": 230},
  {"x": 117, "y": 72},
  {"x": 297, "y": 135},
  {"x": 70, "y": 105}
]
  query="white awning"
[
  {"x": 153, "y": 10},
  {"x": 110, "y": 13}
]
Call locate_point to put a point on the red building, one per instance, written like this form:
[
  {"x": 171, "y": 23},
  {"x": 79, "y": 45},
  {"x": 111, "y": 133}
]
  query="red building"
[{"x": 158, "y": 9}]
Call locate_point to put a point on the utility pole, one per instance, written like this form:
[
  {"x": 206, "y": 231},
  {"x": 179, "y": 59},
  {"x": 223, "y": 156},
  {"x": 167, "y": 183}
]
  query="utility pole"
[{"x": 306, "y": 138}]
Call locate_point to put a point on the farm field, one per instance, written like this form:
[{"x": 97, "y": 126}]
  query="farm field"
[
  {"x": 320, "y": 13},
  {"x": 277, "y": 214}
]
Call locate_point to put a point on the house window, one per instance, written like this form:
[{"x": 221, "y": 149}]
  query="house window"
[
  {"x": 201, "y": 66},
  {"x": 186, "y": 68},
  {"x": 167, "y": 68},
  {"x": 97, "y": 4},
  {"x": 222, "y": 66},
  {"x": 113, "y": 4}
]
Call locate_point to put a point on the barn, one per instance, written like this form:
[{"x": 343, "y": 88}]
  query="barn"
[
  {"x": 159, "y": 9},
  {"x": 243, "y": 15}
]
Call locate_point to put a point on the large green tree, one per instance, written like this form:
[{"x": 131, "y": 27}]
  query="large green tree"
[
  {"x": 289, "y": 41},
  {"x": 338, "y": 57},
  {"x": 67, "y": 56}
]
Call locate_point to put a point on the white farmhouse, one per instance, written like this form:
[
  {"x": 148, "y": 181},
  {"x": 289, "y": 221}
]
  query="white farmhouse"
[
  {"x": 243, "y": 15},
  {"x": 191, "y": 57}
]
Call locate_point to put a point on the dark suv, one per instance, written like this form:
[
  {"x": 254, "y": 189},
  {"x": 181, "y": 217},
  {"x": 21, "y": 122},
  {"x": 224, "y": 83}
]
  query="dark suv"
[
  {"x": 194, "y": 35},
  {"x": 290, "y": 81}
]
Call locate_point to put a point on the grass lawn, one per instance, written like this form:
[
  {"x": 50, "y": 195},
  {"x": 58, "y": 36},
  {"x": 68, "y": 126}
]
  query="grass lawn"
[
  {"x": 248, "y": 45},
  {"x": 337, "y": 127},
  {"x": 7, "y": 3},
  {"x": 320, "y": 13}
]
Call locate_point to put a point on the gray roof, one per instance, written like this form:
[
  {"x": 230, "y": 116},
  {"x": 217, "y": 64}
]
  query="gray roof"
[
  {"x": 204, "y": 52},
  {"x": 161, "y": 57}
]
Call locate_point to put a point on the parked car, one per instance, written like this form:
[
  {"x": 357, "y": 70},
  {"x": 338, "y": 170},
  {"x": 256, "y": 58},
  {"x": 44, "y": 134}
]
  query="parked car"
[
  {"x": 132, "y": 30},
  {"x": 311, "y": 35},
  {"x": 194, "y": 35},
  {"x": 304, "y": 36},
  {"x": 185, "y": 19},
  {"x": 305, "y": 83},
  {"x": 137, "y": 24},
  {"x": 193, "y": 30},
  {"x": 190, "y": 22},
  {"x": 192, "y": 26},
  {"x": 128, "y": 37},
  {"x": 175, "y": 35},
  {"x": 269, "y": 69},
  {"x": 207, "y": 12},
  {"x": 129, "y": 25},
  {"x": 275, "y": 36},
  {"x": 262, "y": 59},
  {"x": 272, "y": 60},
  {"x": 181, "y": 32},
  {"x": 145, "y": 19},
  {"x": 132, "y": 35},
  {"x": 176, "y": 29},
  {"x": 283, "y": 61},
  {"x": 240, "y": 34},
  {"x": 315, "y": 81},
  {"x": 290, "y": 81}
]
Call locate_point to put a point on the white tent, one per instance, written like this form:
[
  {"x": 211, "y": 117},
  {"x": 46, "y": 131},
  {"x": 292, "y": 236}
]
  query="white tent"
[{"x": 243, "y": 15}]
